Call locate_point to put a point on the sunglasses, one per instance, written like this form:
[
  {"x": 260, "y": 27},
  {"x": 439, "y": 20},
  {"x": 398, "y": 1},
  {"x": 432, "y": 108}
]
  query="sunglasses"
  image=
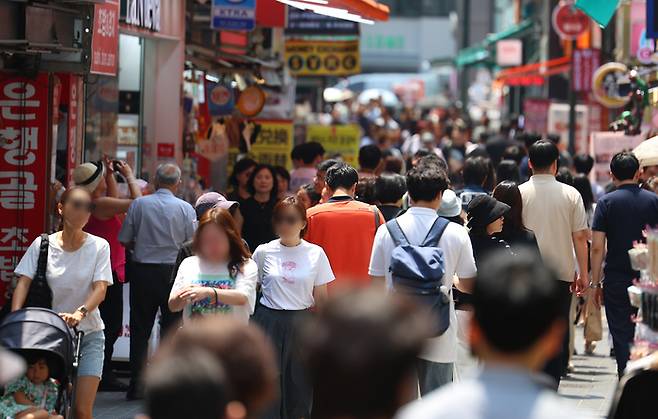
[
  {"x": 287, "y": 219},
  {"x": 79, "y": 204}
]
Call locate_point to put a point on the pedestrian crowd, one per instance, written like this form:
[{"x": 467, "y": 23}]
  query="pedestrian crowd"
[{"x": 441, "y": 267}]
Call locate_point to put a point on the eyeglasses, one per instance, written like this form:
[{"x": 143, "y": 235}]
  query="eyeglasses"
[
  {"x": 79, "y": 204},
  {"x": 287, "y": 219}
]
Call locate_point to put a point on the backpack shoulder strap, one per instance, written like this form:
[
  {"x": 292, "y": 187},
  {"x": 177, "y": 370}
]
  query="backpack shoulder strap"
[
  {"x": 396, "y": 233},
  {"x": 43, "y": 256},
  {"x": 435, "y": 233}
]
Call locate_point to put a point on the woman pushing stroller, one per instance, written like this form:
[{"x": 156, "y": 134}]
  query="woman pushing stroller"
[{"x": 78, "y": 272}]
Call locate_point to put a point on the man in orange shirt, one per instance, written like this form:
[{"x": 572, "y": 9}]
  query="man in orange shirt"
[{"x": 344, "y": 228}]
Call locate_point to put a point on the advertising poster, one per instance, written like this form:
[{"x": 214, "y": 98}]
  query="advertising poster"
[
  {"x": 272, "y": 146},
  {"x": 603, "y": 146},
  {"x": 337, "y": 139},
  {"x": 558, "y": 123}
]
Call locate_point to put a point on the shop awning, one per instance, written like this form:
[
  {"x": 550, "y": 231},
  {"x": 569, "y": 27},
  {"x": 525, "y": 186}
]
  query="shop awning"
[
  {"x": 482, "y": 52},
  {"x": 533, "y": 74},
  {"x": 362, "y": 11}
]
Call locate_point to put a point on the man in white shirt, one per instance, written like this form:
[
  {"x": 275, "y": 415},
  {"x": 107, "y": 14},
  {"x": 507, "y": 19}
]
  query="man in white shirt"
[
  {"x": 556, "y": 214},
  {"x": 426, "y": 183},
  {"x": 517, "y": 325}
]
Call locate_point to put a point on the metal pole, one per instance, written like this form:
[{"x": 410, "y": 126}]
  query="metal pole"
[
  {"x": 465, "y": 41},
  {"x": 572, "y": 104}
]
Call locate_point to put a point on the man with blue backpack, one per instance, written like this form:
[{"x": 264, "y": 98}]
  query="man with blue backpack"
[{"x": 420, "y": 254}]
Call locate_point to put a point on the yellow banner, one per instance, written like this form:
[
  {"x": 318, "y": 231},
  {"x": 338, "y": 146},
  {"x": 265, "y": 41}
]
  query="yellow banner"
[
  {"x": 337, "y": 139},
  {"x": 272, "y": 146},
  {"x": 323, "y": 58}
]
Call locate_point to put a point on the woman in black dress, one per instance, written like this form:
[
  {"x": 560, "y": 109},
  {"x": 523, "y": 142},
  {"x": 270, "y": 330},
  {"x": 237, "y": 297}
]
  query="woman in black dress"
[
  {"x": 514, "y": 231},
  {"x": 257, "y": 209}
]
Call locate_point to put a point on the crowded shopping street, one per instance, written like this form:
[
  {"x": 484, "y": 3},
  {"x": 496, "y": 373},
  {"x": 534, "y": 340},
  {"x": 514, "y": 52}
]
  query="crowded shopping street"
[{"x": 328, "y": 209}]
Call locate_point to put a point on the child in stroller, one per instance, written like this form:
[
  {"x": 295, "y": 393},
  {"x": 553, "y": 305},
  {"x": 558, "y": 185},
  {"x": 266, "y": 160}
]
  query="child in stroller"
[{"x": 32, "y": 396}]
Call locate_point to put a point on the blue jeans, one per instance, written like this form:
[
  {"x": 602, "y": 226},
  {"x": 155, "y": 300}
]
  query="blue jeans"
[
  {"x": 92, "y": 353},
  {"x": 433, "y": 375}
]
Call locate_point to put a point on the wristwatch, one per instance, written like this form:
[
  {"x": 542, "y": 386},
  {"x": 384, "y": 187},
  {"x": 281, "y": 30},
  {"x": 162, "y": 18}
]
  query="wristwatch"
[
  {"x": 82, "y": 309},
  {"x": 595, "y": 286}
]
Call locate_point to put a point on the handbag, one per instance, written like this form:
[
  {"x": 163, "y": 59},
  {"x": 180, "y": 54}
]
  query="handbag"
[{"x": 40, "y": 294}]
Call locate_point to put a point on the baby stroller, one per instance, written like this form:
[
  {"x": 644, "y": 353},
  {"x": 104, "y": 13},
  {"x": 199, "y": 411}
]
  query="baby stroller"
[{"x": 41, "y": 330}]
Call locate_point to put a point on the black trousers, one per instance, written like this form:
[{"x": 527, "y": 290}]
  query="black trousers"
[
  {"x": 150, "y": 285},
  {"x": 557, "y": 366},
  {"x": 111, "y": 310},
  {"x": 618, "y": 310},
  {"x": 295, "y": 392}
]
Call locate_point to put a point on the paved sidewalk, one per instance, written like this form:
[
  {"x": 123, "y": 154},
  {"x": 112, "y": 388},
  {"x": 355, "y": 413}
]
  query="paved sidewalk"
[
  {"x": 590, "y": 387},
  {"x": 593, "y": 383}
]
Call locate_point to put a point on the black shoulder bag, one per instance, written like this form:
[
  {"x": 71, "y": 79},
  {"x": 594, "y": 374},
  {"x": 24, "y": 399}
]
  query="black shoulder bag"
[{"x": 40, "y": 294}]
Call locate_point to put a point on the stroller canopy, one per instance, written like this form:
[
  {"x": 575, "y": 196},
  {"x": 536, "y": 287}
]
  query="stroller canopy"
[{"x": 39, "y": 329}]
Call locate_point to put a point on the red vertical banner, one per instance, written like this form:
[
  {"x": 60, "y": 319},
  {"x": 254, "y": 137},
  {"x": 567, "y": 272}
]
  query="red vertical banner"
[
  {"x": 585, "y": 62},
  {"x": 75, "y": 93},
  {"x": 105, "y": 39},
  {"x": 24, "y": 152}
]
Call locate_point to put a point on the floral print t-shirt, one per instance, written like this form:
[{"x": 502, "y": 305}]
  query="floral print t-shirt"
[
  {"x": 194, "y": 271},
  {"x": 44, "y": 396}
]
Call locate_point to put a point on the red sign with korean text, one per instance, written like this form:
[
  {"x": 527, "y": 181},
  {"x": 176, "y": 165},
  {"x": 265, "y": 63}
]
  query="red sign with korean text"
[
  {"x": 105, "y": 39},
  {"x": 569, "y": 22},
  {"x": 75, "y": 93},
  {"x": 166, "y": 150},
  {"x": 585, "y": 63},
  {"x": 23, "y": 168}
]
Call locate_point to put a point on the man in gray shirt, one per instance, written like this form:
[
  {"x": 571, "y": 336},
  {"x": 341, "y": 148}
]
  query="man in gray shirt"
[
  {"x": 155, "y": 228},
  {"x": 517, "y": 326}
]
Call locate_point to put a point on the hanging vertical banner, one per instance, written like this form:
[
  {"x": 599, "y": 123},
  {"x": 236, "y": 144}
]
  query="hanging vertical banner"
[
  {"x": 233, "y": 15},
  {"x": 652, "y": 19},
  {"x": 535, "y": 111},
  {"x": 23, "y": 166},
  {"x": 585, "y": 63},
  {"x": 105, "y": 39},
  {"x": 75, "y": 93}
]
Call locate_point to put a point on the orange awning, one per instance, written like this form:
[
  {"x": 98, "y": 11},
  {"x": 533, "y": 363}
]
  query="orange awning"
[
  {"x": 365, "y": 11},
  {"x": 533, "y": 74},
  {"x": 368, "y": 9}
]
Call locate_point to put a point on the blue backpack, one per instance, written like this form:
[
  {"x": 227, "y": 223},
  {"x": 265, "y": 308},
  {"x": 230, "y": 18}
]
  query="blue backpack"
[{"x": 417, "y": 271}]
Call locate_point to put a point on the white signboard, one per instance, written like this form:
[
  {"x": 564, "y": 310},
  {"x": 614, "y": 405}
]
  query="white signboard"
[
  {"x": 603, "y": 146},
  {"x": 558, "y": 123},
  {"x": 509, "y": 52}
]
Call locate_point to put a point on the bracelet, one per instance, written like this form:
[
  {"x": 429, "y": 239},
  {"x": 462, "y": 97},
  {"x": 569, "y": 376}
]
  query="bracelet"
[
  {"x": 216, "y": 296},
  {"x": 595, "y": 286}
]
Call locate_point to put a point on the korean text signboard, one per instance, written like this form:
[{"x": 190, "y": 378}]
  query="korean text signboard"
[
  {"x": 323, "y": 58},
  {"x": 233, "y": 15},
  {"x": 23, "y": 165},
  {"x": 301, "y": 22},
  {"x": 337, "y": 139},
  {"x": 105, "y": 39},
  {"x": 585, "y": 63}
]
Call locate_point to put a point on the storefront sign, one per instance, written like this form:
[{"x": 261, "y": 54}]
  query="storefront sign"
[
  {"x": 509, "y": 52},
  {"x": 558, "y": 123},
  {"x": 569, "y": 22},
  {"x": 23, "y": 165},
  {"x": 166, "y": 150},
  {"x": 301, "y": 22},
  {"x": 142, "y": 13},
  {"x": 603, "y": 146},
  {"x": 337, "y": 139},
  {"x": 221, "y": 99},
  {"x": 585, "y": 62},
  {"x": 323, "y": 58},
  {"x": 535, "y": 111},
  {"x": 105, "y": 39},
  {"x": 604, "y": 85},
  {"x": 273, "y": 143},
  {"x": 233, "y": 15}
]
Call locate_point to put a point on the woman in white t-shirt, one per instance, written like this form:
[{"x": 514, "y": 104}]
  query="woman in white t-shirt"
[
  {"x": 221, "y": 278},
  {"x": 293, "y": 274},
  {"x": 78, "y": 273}
]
